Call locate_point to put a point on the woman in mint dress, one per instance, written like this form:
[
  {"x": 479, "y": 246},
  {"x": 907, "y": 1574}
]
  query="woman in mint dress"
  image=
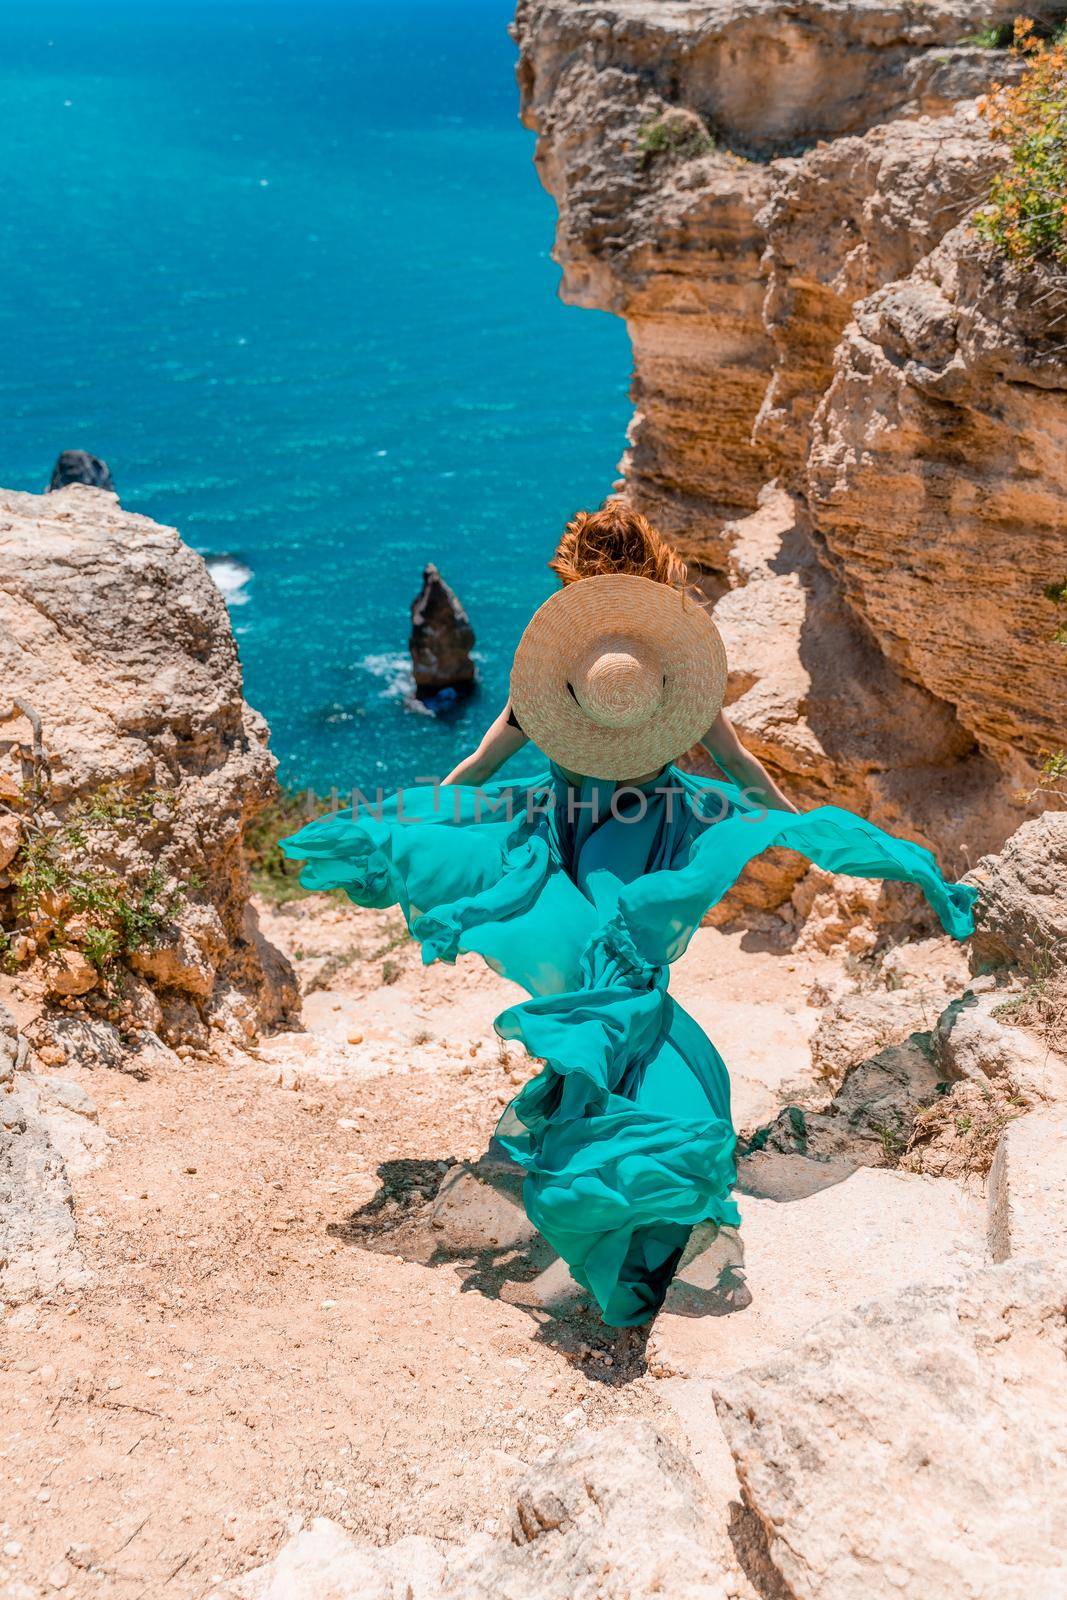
[{"x": 583, "y": 889}]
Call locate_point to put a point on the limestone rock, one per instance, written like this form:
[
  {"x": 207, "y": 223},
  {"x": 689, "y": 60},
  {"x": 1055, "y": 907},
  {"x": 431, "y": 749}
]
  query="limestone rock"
[
  {"x": 441, "y": 640},
  {"x": 645, "y": 114},
  {"x": 68, "y": 972},
  {"x": 38, "y": 1244},
  {"x": 64, "y": 1115},
  {"x": 92, "y": 1042},
  {"x": 853, "y": 916},
  {"x": 183, "y": 1021},
  {"x": 870, "y": 1118},
  {"x": 813, "y": 697},
  {"x": 187, "y": 954},
  {"x": 975, "y": 1040},
  {"x": 870, "y": 152},
  {"x": 836, "y": 71},
  {"x": 115, "y": 637},
  {"x": 323, "y": 1563},
  {"x": 78, "y": 466},
  {"x": 665, "y": 238},
  {"x": 859, "y": 1025},
  {"x": 278, "y": 1000},
  {"x": 616, "y": 1514},
  {"x": 944, "y": 1401},
  {"x": 927, "y": 966},
  {"x": 479, "y": 1207},
  {"x": 10, "y": 839},
  {"x": 805, "y": 1252},
  {"x": 13, "y": 1048},
  {"x": 937, "y": 477},
  {"x": 1021, "y": 916},
  {"x": 995, "y": 1073},
  {"x": 1028, "y": 1188},
  {"x": 71, "y": 1096},
  {"x": 844, "y": 219}
]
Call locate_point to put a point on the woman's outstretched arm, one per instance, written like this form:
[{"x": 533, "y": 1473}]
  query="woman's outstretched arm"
[
  {"x": 739, "y": 764},
  {"x": 500, "y": 740}
]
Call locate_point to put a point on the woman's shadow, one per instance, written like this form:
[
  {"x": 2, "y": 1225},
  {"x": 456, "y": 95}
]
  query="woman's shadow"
[{"x": 470, "y": 1216}]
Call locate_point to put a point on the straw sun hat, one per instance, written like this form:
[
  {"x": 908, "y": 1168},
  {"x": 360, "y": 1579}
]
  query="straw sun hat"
[{"x": 616, "y": 676}]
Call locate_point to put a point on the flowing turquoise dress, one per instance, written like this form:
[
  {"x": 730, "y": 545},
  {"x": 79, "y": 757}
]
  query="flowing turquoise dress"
[{"x": 583, "y": 893}]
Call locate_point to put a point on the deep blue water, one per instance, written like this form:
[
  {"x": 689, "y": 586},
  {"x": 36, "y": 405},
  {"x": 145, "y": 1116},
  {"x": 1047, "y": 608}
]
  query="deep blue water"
[{"x": 285, "y": 265}]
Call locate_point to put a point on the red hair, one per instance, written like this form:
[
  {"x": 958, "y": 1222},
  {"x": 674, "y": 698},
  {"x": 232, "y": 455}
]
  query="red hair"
[{"x": 616, "y": 539}]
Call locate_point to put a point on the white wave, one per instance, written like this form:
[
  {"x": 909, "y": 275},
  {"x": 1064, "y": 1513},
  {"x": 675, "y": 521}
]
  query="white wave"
[
  {"x": 394, "y": 670},
  {"x": 232, "y": 578}
]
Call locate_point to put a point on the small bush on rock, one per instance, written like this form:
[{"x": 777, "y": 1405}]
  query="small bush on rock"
[
  {"x": 1026, "y": 216},
  {"x": 994, "y": 36},
  {"x": 67, "y": 897},
  {"x": 1053, "y": 769},
  {"x": 679, "y": 133},
  {"x": 273, "y": 875}
]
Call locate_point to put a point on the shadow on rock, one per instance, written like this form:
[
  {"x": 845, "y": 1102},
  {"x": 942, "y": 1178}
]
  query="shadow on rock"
[
  {"x": 867, "y": 1123},
  {"x": 710, "y": 1281},
  {"x": 470, "y": 1216}
]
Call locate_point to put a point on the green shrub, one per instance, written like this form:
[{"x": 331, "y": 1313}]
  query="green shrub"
[
  {"x": 679, "y": 134},
  {"x": 994, "y": 36},
  {"x": 273, "y": 875},
  {"x": 1057, "y": 593},
  {"x": 1026, "y": 216},
  {"x": 56, "y": 880},
  {"x": 61, "y": 886}
]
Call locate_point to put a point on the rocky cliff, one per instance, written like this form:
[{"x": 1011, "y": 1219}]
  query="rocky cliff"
[
  {"x": 129, "y": 766},
  {"x": 850, "y": 414}
]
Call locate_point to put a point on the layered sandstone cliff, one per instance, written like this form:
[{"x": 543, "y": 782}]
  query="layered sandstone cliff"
[
  {"x": 849, "y": 414},
  {"x": 129, "y": 766}
]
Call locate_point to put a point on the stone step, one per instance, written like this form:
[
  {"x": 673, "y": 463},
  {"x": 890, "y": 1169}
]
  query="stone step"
[
  {"x": 1027, "y": 1188},
  {"x": 796, "y": 1260}
]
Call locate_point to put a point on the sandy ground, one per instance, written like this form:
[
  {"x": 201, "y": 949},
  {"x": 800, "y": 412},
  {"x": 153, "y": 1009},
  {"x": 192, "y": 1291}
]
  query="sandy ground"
[{"x": 267, "y": 1336}]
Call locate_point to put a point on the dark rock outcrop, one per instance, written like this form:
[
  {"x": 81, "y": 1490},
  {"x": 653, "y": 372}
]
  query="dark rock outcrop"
[
  {"x": 78, "y": 466},
  {"x": 441, "y": 640}
]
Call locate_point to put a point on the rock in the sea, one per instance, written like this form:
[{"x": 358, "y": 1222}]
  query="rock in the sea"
[
  {"x": 78, "y": 466},
  {"x": 441, "y": 640},
  {"x": 120, "y": 685},
  {"x": 916, "y": 1445}
]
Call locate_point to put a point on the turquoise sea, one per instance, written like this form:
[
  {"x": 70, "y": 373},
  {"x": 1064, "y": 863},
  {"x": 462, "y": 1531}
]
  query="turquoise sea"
[{"x": 285, "y": 265}]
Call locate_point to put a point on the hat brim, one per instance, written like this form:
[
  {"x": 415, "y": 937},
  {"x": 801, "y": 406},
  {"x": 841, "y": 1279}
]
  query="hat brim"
[{"x": 665, "y": 620}]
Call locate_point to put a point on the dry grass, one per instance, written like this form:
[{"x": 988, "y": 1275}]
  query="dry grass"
[
  {"x": 958, "y": 1134},
  {"x": 1042, "y": 1007}
]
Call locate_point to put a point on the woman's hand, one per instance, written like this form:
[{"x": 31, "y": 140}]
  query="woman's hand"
[
  {"x": 500, "y": 740},
  {"x": 749, "y": 774}
]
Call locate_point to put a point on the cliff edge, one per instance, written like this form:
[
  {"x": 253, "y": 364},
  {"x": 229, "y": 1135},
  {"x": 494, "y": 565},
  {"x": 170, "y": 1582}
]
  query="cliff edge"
[
  {"x": 130, "y": 764},
  {"x": 850, "y": 413}
]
